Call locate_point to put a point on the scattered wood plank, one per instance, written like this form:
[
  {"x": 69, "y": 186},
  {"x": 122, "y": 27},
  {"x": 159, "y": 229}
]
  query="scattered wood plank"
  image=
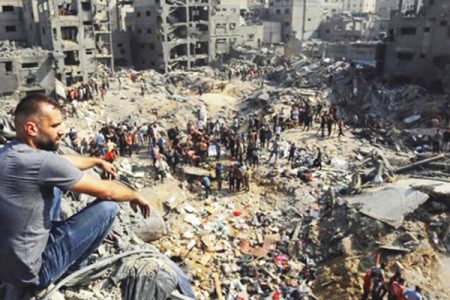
[
  {"x": 420, "y": 163},
  {"x": 218, "y": 285}
]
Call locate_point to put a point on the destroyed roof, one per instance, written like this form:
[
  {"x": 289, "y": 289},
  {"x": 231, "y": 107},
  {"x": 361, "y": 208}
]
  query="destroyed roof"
[{"x": 9, "y": 49}]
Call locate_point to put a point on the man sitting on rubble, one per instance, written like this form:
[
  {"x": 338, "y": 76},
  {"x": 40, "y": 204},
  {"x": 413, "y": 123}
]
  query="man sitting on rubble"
[{"x": 36, "y": 248}]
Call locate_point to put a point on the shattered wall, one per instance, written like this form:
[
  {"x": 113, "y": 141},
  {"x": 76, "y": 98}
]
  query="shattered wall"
[
  {"x": 360, "y": 6},
  {"x": 26, "y": 70},
  {"x": 252, "y": 35},
  {"x": 171, "y": 35},
  {"x": 331, "y": 7},
  {"x": 225, "y": 28},
  {"x": 31, "y": 22},
  {"x": 384, "y": 7},
  {"x": 145, "y": 27},
  {"x": 121, "y": 12},
  {"x": 365, "y": 53},
  {"x": 299, "y": 17},
  {"x": 418, "y": 46},
  {"x": 272, "y": 32},
  {"x": 352, "y": 27},
  {"x": 11, "y": 21},
  {"x": 79, "y": 33}
]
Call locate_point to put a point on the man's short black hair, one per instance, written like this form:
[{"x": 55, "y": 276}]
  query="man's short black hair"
[
  {"x": 30, "y": 105},
  {"x": 418, "y": 289}
]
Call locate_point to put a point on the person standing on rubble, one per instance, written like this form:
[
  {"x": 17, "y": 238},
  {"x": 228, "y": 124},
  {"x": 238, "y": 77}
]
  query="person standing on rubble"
[
  {"x": 355, "y": 121},
  {"x": 206, "y": 182},
  {"x": 393, "y": 285},
  {"x": 163, "y": 169},
  {"x": 278, "y": 130},
  {"x": 340, "y": 124},
  {"x": 231, "y": 178},
  {"x": 292, "y": 152},
  {"x": 377, "y": 276},
  {"x": 330, "y": 121},
  {"x": 74, "y": 104},
  {"x": 437, "y": 138},
  {"x": 100, "y": 143},
  {"x": 274, "y": 151},
  {"x": 36, "y": 247},
  {"x": 219, "y": 175},
  {"x": 318, "y": 112},
  {"x": 323, "y": 122},
  {"x": 262, "y": 137},
  {"x": 446, "y": 140}
]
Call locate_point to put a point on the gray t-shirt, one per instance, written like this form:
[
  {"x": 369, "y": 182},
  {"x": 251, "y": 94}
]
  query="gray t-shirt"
[{"x": 27, "y": 178}]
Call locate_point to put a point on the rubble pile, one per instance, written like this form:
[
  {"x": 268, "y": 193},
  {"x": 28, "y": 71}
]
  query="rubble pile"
[
  {"x": 11, "y": 49},
  {"x": 299, "y": 232}
]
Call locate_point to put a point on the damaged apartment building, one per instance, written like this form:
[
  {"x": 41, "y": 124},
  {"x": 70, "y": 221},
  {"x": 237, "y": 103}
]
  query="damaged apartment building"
[
  {"x": 418, "y": 45},
  {"x": 76, "y": 35},
  {"x": 171, "y": 34},
  {"x": 346, "y": 27},
  {"x": 25, "y": 70},
  {"x": 121, "y": 13},
  {"x": 22, "y": 70},
  {"x": 298, "y": 18},
  {"x": 11, "y": 21},
  {"x": 78, "y": 32}
]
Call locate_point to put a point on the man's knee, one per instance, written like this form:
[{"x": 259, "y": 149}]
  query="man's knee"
[{"x": 107, "y": 208}]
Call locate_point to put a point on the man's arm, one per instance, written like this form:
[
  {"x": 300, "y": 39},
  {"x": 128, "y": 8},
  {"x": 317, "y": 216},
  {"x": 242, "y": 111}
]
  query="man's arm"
[
  {"x": 113, "y": 191},
  {"x": 84, "y": 163}
]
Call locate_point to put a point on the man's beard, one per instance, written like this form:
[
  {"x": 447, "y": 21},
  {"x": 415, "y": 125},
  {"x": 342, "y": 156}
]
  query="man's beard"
[{"x": 47, "y": 145}]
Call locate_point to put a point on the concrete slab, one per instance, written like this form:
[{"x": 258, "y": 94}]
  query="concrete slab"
[
  {"x": 436, "y": 186},
  {"x": 389, "y": 204}
]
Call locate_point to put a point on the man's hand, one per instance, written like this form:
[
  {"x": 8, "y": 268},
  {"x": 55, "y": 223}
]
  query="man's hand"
[
  {"x": 143, "y": 205},
  {"x": 108, "y": 168}
]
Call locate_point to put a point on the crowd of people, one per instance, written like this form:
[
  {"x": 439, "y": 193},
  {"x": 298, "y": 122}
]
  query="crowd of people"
[
  {"x": 83, "y": 92},
  {"x": 376, "y": 286},
  {"x": 236, "y": 149}
]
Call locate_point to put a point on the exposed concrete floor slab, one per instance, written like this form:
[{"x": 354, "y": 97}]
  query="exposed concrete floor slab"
[{"x": 389, "y": 204}]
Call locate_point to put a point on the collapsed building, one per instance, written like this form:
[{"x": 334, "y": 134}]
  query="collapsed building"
[
  {"x": 11, "y": 21},
  {"x": 331, "y": 7},
  {"x": 79, "y": 34},
  {"x": 165, "y": 35},
  {"x": 183, "y": 34},
  {"x": 299, "y": 18},
  {"x": 418, "y": 45},
  {"x": 360, "y": 6},
  {"x": 25, "y": 70},
  {"x": 121, "y": 14},
  {"x": 347, "y": 27},
  {"x": 76, "y": 33}
]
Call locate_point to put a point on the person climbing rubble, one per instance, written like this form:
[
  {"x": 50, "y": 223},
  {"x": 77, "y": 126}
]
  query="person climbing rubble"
[
  {"x": 163, "y": 168},
  {"x": 395, "y": 286},
  {"x": 37, "y": 247}
]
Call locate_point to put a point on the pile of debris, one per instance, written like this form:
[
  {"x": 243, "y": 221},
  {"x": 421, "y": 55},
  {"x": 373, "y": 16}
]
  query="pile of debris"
[{"x": 300, "y": 232}]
